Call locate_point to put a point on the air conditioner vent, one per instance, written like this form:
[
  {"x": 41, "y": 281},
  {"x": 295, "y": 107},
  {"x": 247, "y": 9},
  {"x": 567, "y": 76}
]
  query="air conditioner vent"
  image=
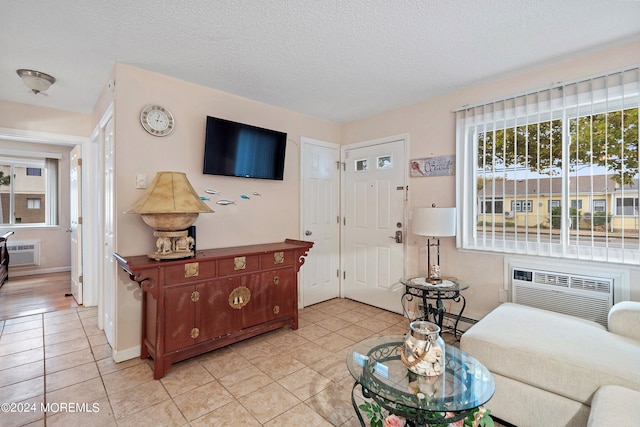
[
  {"x": 551, "y": 279},
  {"x": 588, "y": 284}
]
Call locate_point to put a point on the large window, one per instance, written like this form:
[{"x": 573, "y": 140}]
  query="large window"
[
  {"x": 28, "y": 191},
  {"x": 565, "y": 160}
]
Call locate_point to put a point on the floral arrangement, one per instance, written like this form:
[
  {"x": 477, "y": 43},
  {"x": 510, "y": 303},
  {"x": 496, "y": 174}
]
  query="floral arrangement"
[{"x": 479, "y": 417}]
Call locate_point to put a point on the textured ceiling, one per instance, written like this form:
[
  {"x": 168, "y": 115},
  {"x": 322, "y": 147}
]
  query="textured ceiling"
[{"x": 336, "y": 59}]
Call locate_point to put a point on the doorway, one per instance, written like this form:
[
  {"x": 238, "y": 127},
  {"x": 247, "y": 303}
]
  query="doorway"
[
  {"x": 320, "y": 195},
  {"x": 75, "y": 228},
  {"x": 374, "y": 227}
]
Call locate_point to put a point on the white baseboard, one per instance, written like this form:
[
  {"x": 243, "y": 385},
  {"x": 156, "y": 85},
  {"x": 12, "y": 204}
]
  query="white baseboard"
[
  {"x": 126, "y": 354},
  {"x": 26, "y": 271}
]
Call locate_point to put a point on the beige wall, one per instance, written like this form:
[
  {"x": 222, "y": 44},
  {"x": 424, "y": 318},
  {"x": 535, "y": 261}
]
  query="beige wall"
[
  {"x": 431, "y": 129},
  {"x": 271, "y": 217},
  {"x": 41, "y": 119}
]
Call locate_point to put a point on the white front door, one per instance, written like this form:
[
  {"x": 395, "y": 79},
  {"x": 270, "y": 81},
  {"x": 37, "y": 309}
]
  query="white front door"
[
  {"x": 319, "y": 279},
  {"x": 75, "y": 192},
  {"x": 109, "y": 268},
  {"x": 374, "y": 228}
]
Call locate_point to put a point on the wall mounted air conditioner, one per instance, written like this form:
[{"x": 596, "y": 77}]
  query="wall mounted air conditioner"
[
  {"x": 23, "y": 253},
  {"x": 588, "y": 297},
  {"x": 509, "y": 214}
]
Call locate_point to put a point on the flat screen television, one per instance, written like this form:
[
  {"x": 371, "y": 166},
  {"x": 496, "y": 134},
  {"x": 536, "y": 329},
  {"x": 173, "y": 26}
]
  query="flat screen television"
[{"x": 237, "y": 149}]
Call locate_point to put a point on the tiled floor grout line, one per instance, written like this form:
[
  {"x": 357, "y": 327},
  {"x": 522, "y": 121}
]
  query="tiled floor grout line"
[
  {"x": 93, "y": 356},
  {"x": 44, "y": 367},
  {"x": 343, "y": 323}
]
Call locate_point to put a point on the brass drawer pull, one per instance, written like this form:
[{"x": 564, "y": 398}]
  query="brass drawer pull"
[
  {"x": 195, "y": 332},
  {"x": 240, "y": 263},
  {"x": 276, "y": 309},
  {"x": 276, "y": 280},
  {"x": 278, "y": 257},
  {"x": 195, "y": 296},
  {"x": 191, "y": 269}
]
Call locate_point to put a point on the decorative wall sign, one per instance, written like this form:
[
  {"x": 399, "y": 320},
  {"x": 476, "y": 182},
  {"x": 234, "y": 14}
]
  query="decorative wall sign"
[{"x": 433, "y": 166}]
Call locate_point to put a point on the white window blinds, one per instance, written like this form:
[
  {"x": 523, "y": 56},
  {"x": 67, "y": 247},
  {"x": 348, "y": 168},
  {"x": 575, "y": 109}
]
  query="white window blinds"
[{"x": 553, "y": 172}]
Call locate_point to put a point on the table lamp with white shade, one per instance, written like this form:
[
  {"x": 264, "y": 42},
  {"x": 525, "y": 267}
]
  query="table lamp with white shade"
[{"x": 434, "y": 223}]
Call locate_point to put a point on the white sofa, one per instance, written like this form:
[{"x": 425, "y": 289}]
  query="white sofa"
[{"x": 548, "y": 366}]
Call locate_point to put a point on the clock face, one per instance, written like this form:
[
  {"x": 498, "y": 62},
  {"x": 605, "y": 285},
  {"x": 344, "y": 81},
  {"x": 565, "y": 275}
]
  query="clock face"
[{"x": 156, "y": 120}]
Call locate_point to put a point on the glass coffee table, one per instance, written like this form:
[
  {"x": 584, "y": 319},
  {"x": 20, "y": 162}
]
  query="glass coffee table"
[{"x": 376, "y": 366}]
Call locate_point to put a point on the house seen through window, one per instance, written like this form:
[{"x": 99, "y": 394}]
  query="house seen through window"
[
  {"x": 565, "y": 161},
  {"x": 27, "y": 189}
]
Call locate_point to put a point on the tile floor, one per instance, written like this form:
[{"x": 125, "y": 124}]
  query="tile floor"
[{"x": 281, "y": 378}]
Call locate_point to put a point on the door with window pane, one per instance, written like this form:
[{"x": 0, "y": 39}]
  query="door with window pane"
[{"x": 375, "y": 192}]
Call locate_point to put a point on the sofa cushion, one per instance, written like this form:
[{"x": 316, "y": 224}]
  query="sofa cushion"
[
  {"x": 613, "y": 405},
  {"x": 624, "y": 319},
  {"x": 563, "y": 354}
]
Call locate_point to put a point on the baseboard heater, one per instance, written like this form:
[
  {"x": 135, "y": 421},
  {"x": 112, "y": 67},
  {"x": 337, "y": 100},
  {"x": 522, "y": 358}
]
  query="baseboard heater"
[
  {"x": 587, "y": 297},
  {"x": 450, "y": 319},
  {"x": 24, "y": 253}
]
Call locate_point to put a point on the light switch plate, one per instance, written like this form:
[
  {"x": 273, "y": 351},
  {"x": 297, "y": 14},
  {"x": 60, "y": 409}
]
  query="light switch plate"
[{"x": 141, "y": 180}]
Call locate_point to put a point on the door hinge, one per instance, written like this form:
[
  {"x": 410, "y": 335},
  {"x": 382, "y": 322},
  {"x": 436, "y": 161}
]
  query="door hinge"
[
  {"x": 344, "y": 275},
  {"x": 338, "y": 219},
  {"x": 338, "y": 273},
  {"x": 79, "y": 220},
  {"x": 80, "y": 162},
  {"x": 80, "y": 279},
  {"x": 344, "y": 166},
  {"x": 338, "y": 165},
  {"x": 344, "y": 220}
]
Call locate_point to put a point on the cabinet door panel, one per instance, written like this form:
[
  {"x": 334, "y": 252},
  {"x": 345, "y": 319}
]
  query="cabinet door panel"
[
  {"x": 260, "y": 307},
  {"x": 282, "y": 288},
  {"x": 214, "y": 316},
  {"x": 179, "y": 316}
]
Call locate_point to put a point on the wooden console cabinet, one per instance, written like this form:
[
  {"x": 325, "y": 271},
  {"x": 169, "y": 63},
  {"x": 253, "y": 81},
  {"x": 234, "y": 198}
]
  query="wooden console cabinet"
[
  {"x": 216, "y": 298},
  {"x": 4, "y": 257}
]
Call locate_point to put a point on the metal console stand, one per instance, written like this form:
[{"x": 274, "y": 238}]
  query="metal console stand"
[{"x": 432, "y": 297}]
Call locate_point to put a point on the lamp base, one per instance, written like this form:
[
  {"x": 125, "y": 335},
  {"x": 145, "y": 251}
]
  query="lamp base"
[
  {"x": 173, "y": 245},
  {"x": 434, "y": 274}
]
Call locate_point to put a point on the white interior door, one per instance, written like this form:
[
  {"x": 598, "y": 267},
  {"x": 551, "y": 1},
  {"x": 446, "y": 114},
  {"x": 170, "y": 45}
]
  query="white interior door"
[
  {"x": 320, "y": 277},
  {"x": 109, "y": 272},
  {"x": 374, "y": 202},
  {"x": 75, "y": 192}
]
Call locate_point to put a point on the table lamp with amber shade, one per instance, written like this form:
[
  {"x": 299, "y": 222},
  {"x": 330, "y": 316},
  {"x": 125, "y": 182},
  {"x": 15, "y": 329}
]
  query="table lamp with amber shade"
[{"x": 170, "y": 206}]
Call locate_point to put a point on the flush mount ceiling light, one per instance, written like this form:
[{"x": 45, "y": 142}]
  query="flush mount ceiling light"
[{"x": 35, "y": 80}]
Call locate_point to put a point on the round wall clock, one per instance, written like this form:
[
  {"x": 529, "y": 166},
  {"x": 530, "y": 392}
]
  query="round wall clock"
[{"x": 156, "y": 120}]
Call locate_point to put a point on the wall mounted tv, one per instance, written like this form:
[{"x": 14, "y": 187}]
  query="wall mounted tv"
[{"x": 237, "y": 149}]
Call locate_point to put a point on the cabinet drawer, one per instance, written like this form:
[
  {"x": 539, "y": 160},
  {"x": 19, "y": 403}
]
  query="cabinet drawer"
[
  {"x": 190, "y": 271},
  {"x": 277, "y": 259},
  {"x": 238, "y": 265}
]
